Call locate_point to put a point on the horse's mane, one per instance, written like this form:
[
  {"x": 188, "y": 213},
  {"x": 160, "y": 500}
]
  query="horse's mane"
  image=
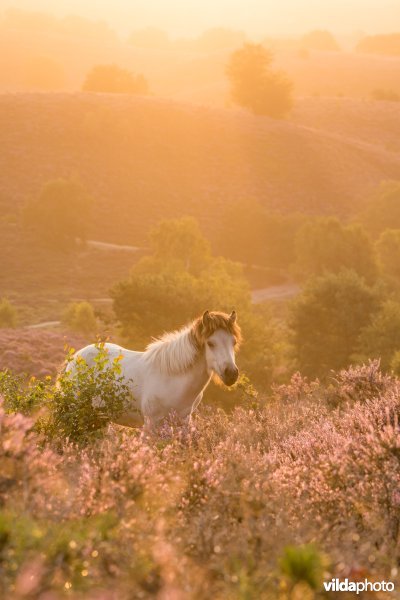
[{"x": 176, "y": 352}]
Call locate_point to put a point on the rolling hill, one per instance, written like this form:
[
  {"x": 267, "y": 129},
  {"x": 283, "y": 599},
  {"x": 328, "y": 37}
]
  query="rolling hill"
[{"x": 144, "y": 159}]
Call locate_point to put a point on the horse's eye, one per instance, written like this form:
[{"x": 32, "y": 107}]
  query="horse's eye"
[{"x": 210, "y": 344}]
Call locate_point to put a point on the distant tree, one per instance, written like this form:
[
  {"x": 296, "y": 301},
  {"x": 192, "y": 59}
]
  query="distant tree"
[
  {"x": 60, "y": 213},
  {"x": 385, "y": 95},
  {"x": 180, "y": 240},
  {"x": 381, "y": 338},
  {"x": 320, "y": 40},
  {"x": 254, "y": 236},
  {"x": 388, "y": 249},
  {"x": 387, "y": 44},
  {"x": 8, "y": 314},
  {"x": 327, "y": 318},
  {"x": 255, "y": 85},
  {"x": 325, "y": 245},
  {"x": 383, "y": 210},
  {"x": 80, "y": 317},
  {"x": 114, "y": 79}
]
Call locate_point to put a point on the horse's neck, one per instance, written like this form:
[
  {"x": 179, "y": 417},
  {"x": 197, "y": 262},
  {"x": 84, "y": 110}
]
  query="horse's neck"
[{"x": 199, "y": 372}]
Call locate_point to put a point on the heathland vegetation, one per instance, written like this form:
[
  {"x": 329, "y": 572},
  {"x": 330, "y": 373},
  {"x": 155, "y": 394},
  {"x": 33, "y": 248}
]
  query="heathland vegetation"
[{"x": 124, "y": 215}]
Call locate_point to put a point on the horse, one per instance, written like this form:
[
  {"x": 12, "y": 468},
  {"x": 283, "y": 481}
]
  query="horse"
[{"x": 171, "y": 375}]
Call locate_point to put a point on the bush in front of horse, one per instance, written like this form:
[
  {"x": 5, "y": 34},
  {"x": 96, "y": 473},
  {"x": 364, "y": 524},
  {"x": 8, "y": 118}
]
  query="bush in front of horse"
[{"x": 76, "y": 407}]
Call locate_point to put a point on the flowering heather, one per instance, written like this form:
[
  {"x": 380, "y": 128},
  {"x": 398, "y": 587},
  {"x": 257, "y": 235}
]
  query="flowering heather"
[
  {"x": 264, "y": 503},
  {"x": 37, "y": 352}
]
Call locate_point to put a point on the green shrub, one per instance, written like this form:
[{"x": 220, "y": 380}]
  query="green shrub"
[
  {"x": 303, "y": 564},
  {"x": 8, "y": 314},
  {"x": 80, "y": 317},
  {"x": 81, "y": 403}
]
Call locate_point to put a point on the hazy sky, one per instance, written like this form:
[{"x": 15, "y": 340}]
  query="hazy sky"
[{"x": 255, "y": 16}]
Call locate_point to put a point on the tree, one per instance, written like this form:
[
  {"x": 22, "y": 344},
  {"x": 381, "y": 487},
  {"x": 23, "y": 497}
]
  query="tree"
[
  {"x": 114, "y": 79},
  {"x": 381, "y": 338},
  {"x": 388, "y": 249},
  {"x": 325, "y": 245},
  {"x": 254, "y": 236},
  {"x": 320, "y": 40},
  {"x": 181, "y": 240},
  {"x": 255, "y": 86},
  {"x": 60, "y": 213},
  {"x": 383, "y": 210},
  {"x": 327, "y": 318},
  {"x": 8, "y": 314},
  {"x": 80, "y": 317},
  {"x": 387, "y": 44}
]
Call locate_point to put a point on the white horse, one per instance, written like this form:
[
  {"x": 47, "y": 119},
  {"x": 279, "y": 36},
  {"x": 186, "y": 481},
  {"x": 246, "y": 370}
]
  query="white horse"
[{"x": 174, "y": 370}]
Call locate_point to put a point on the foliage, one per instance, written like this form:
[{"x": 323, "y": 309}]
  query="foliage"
[
  {"x": 255, "y": 86},
  {"x": 80, "y": 317},
  {"x": 181, "y": 241},
  {"x": 320, "y": 40},
  {"x": 85, "y": 400},
  {"x": 254, "y": 504},
  {"x": 325, "y": 245},
  {"x": 78, "y": 406},
  {"x": 303, "y": 564},
  {"x": 8, "y": 314},
  {"x": 387, "y": 44},
  {"x": 327, "y": 318},
  {"x": 257, "y": 237},
  {"x": 386, "y": 95},
  {"x": 60, "y": 213},
  {"x": 114, "y": 79},
  {"x": 381, "y": 338},
  {"x": 383, "y": 210},
  {"x": 388, "y": 250}
]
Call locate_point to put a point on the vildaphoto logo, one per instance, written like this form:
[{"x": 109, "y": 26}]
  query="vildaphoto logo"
[{"x": 345, "y": 585}]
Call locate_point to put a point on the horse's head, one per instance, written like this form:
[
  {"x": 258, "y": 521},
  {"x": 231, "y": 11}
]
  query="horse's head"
[{"x": 220, "y": 336}]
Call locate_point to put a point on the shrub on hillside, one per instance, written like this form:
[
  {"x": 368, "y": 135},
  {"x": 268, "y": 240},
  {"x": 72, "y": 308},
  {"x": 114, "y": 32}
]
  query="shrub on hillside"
[
  {"x": 80, "y": 317},
  {"x": 79, "y": 406},
  {"x": 326, "y": 246},
  {"x": 59, "y": 215},
  {"x": 320, "y": 40},
  {"x": 115, "y": 80},
  {"x": 383, "y": 210},
  {"x": 255, "y": 85},
  {"x": 8, "y": 314},
  {"x": 327, "y": 318},
  {"x": 388, "y": 250}
]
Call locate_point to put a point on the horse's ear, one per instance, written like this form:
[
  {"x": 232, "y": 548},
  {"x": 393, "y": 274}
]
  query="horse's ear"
[
  {"x": 232, "y": 317},
  {"x": 206, "y": 318}
]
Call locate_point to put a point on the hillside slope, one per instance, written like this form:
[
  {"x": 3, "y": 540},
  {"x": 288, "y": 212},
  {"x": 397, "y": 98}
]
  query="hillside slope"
[{"x": 143, "y": 159}]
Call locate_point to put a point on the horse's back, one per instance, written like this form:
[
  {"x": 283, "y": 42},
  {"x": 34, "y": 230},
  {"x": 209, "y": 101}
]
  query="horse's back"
[{"x": 89, "y": 353}]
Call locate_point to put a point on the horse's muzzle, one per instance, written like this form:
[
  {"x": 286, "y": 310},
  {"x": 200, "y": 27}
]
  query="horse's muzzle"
[{"x": 230, "y": 375}]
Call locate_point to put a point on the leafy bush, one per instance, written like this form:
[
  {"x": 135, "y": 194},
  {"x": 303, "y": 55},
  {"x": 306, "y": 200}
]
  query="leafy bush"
[
  {"x": 320, "y": 40},
  {"x": 80, "y": 317},
  {"x": 327, "y": 318},
  {"x": 81, "y": 403},
  {"x": 325, "y": 245},
  {"x": 114, "y": 79},
  {"x": 59, "y": 215},
  {"x": 8, "y": 314},
  {"x": 255, "y": 86}
]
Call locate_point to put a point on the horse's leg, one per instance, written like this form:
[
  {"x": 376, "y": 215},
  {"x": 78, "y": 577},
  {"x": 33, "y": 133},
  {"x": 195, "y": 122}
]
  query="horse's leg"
[{"x": 196, "y": 403}]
